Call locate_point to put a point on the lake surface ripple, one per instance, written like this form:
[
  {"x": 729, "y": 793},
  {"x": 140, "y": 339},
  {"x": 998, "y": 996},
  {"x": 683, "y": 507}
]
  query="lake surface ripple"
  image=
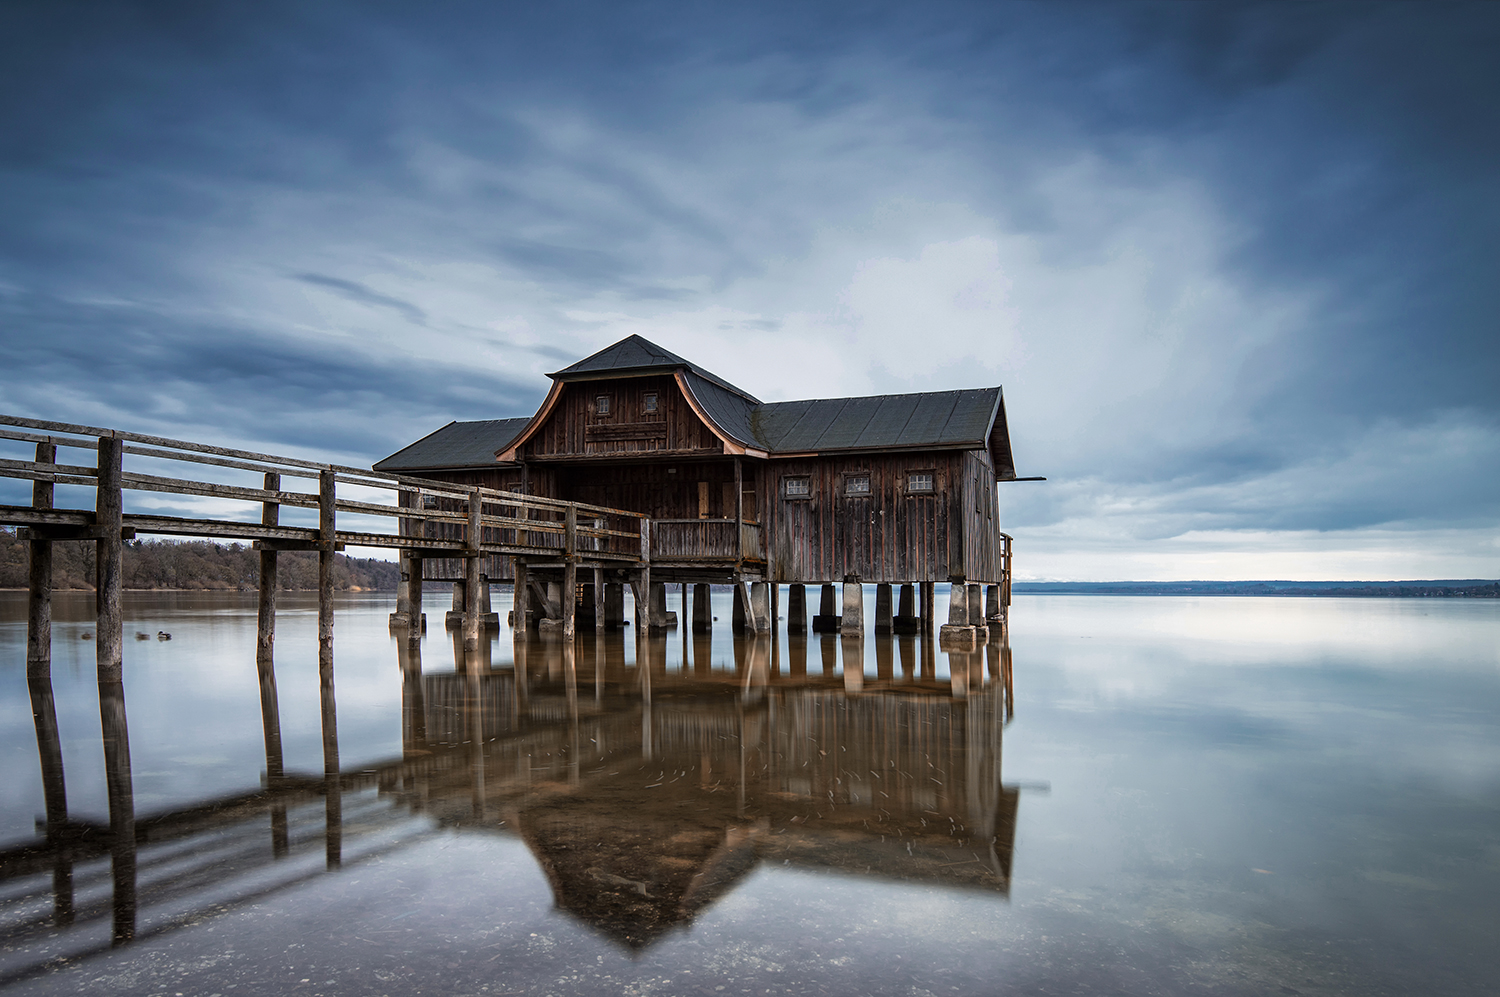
[{"x": 1128, "y": 796}]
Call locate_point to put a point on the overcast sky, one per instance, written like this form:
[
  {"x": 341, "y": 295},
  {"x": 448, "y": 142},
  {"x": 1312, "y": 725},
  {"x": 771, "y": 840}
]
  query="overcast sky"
[{"x": 1235, "y": 265}]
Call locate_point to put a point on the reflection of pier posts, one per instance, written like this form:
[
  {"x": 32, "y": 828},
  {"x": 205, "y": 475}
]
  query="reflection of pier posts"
[
  {"x": 884, "y": 659},
  {"x": 853, "y": 648},
  {"x": 908, "y": 646},
  {"x": 54, "y": 786},
  {"x": 39, "y": 685},
  {"x": 797, "y": 654},
  {"x": 413, "y": 699},
  {"x": 122, "y": 849},
  {"x": 828, "y": 648}
]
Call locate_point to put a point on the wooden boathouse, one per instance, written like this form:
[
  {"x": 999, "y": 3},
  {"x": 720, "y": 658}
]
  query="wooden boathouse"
[{"x": 894, "y": 490}]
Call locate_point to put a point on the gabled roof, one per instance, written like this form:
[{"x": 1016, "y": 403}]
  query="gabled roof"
[
  {"x": 636, "y": 355},
  {"x": 925, "y": 419},
  {"x": 967, "y": 419},
  {"x": 458, "y": 444}
]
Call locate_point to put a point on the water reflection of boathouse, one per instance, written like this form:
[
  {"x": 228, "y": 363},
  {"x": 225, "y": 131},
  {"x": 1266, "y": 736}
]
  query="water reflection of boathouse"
[
  {"x": 644, "y": 793},
  {"x": 651, "y": 794}
]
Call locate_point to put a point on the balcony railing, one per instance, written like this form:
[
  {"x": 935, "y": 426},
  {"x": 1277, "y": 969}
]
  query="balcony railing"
[{"x": 704, "y": 540}]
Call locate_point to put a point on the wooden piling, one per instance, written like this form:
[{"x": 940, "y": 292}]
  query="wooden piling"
[
  {"x": 418, "y": 621},
  {"x": 473, "y": 569},
  {"x": 883, "y": 612},
  {"x": 600, "y": 621},
  {"x": 827, "y": 620},
  {"x": 929, "y": 595},
  {"x": 614, "y": 605},
  {"x": 906, "y": 620},
  {"x": 332, "y": 788},
  {"x": 760, "y": 603},
  {"x": 265, "y": 638},
  {"x": 796, "y": 609},
  {"x": 39, "y": 580},
  {"x": 520, "y": 599},
  {"x": 570, "y": 585},
  {"x": 992, "y": 604},
  {"x": 853, "y": 622},
  {"x": 703, "y": 613},
  {"x": 109, "y": 554}
]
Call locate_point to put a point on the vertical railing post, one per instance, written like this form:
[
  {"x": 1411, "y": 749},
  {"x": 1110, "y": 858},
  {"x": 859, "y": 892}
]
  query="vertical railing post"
[
  {"x": 109, "y": 547},
  {"x": 39, "y": 580},
  {"x": 739, "y": 513},
  {"x": 473, "y": 565},
  {"x": 332, "y": 783},
  {"x": 265, "y": 638}
]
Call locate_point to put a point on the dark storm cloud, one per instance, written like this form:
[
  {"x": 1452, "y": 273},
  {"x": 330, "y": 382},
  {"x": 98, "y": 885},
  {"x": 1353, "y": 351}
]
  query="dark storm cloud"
[
  {"x": 355, "y": 291},
  {"x": 164, "y": 166}
]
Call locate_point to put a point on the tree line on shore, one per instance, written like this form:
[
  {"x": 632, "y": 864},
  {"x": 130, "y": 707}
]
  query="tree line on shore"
[{"x": 192, "y": 564}]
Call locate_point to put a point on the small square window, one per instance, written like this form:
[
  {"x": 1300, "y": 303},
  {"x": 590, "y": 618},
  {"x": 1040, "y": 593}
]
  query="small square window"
[
  {"x": 650, "y": 401},
  {"x": 919, "y": 481},
  {"x": 798, "y": 487},
  {"x": 857, "y": 484},
  {"x": 601, "y": 405}
]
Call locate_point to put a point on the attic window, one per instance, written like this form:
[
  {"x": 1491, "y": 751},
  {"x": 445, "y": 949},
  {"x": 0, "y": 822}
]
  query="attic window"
[
  {"x": 650, "y": 401},
  {"x": 799, "y": 486},
  {"x": 601, "y": 405},
  {"x": 919, "y": 481},
  {"x": 857, "y": 484}
]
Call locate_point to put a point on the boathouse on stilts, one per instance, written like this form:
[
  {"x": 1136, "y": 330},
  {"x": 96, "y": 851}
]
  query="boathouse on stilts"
[{"x": 897, "y": 491}]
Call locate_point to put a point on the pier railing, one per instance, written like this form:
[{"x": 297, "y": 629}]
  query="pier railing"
[{"x": 345, "y": 506}]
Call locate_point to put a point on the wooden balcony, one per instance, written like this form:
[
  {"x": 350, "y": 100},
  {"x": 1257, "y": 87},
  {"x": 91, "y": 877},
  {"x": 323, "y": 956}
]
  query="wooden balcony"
[{"x": 699, "y": 541}]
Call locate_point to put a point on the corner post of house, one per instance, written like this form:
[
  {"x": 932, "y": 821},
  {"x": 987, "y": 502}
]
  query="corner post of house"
[
  {"x": 39, "y": 579},
  {"x": 473, "y": 565},
  {"x": 570, "y": 575},
  {"x": 109, "y": 552},
  {"x": 265, "y": 635},
  {"x": 739, "y": 512}
]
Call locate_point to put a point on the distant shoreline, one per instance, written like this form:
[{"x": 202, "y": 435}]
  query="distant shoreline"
[{"x": 1465, "y": 588}]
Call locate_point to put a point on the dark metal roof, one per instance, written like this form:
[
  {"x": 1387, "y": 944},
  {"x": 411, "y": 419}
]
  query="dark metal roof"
[
  {"x": 458, "y": 444},
  {"x": 732, "y": 413},
  {"x": 638, "y": 355},
  {"x": 927, "y": 419}
]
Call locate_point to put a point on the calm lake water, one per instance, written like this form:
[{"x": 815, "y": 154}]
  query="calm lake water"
[{"x": 1173, "y": 796}]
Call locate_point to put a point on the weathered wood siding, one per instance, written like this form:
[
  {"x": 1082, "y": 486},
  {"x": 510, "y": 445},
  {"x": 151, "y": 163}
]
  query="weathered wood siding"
[
  {"x": 662, "y": 490},
  {"x": 891, "y": 535},
  {"x": 981, "y": 519},
  {"x": 575, "y": 427}
]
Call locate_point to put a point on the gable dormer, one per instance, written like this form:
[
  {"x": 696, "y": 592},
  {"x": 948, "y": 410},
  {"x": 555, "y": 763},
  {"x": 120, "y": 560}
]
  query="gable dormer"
[{"x": 632, "y": 399}]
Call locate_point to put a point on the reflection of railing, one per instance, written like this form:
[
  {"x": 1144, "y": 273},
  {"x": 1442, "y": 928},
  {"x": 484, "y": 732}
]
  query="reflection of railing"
[{"x": 704, "y": 540}]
